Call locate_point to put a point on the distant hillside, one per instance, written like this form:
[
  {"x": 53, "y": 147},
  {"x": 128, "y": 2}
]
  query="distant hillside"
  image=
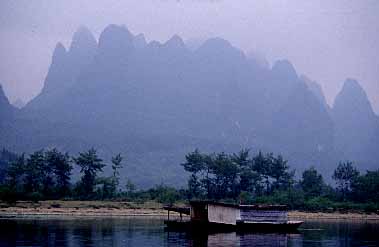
[
  {"x": 357, "y": 126},
  {"x": 154, "y": 102},
  {"x": 7, "y": 111}
]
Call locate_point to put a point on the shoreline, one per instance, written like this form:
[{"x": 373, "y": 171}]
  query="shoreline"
[
  {"x": 48, "y": 209},
  {"x": 300, "y": 215}
]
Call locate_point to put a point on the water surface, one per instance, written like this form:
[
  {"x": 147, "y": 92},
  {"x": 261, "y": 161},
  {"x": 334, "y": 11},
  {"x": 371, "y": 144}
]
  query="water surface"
[{"x": 148, "y": 231}]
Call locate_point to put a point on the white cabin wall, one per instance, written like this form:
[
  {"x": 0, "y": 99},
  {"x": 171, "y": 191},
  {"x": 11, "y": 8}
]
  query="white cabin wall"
[{"x": 222, "y": 215}]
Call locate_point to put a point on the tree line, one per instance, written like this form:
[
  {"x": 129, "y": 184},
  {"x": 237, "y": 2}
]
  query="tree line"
[
  {"x": 47, "y": 175},
  {"x": 238, "y": 177},
  {"x": 267, "y": 178}
]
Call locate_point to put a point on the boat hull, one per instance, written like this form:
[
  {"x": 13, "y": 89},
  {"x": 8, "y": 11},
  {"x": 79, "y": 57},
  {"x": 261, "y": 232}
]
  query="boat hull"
[{"x": 289, "y": 226}]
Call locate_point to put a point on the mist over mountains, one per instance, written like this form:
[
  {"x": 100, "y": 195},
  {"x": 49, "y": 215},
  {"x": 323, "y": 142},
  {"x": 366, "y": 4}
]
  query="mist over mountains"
[{"x": 154, "y": 102}]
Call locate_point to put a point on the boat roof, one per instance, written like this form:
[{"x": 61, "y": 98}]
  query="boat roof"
[
  {"x": 246, "y": 207},
  {"x": 264, "y": 207},
  {"x": 203, "y": 203}
]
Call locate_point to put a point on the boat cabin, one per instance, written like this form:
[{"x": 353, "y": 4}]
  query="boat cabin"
[
  {"x": 214, "y": 212},
  {"x": 263, "y": 213}
]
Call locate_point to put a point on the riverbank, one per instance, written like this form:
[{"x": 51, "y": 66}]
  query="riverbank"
[
  {"x": 121, "y": 209},
  {"x": 81, "y": 208},
  {"x": 298, "y": 215}
]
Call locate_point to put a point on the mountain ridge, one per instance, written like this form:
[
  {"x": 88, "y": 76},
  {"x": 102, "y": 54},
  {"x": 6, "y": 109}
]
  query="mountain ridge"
[{"x": 155, "y": 102}]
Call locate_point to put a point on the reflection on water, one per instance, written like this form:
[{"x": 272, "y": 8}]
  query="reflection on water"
[
  {"x": 235, "y": 239},
  {"x": 150, "y": 232}
]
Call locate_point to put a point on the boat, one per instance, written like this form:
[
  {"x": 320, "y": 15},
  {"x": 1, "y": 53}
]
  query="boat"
[{"x": 212, "y": 216}]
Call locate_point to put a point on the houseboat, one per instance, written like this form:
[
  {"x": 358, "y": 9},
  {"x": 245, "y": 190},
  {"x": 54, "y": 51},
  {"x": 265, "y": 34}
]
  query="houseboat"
[{"x": 216, "y": 216}]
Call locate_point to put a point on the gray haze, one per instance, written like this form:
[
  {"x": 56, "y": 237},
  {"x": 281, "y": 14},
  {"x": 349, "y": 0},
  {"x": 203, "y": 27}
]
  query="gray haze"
[{"x": 326, "y": 40}]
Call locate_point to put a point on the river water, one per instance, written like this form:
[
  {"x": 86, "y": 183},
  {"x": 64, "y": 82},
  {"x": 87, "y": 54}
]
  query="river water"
[{"x": 148, "y": 231}]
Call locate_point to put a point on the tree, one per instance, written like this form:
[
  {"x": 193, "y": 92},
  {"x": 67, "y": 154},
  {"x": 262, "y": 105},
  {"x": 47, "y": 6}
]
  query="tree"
[
  {"x": 47, "y": 179},
  {"x": 105, "y": 187},
  {"x": 262, "y": 165},
  {"x": 116, "y": 165},
  {"x": 345, "y": 174},
  {"x": 16, "y": 173},
  {"x": 365, "y": 188},
  {"x": 195, "y": 164},
  {"x": 6, "y": 158},
  {"x": 208, "y": 161},
  {"x": 61, "y": 166},
  {"x": 90, "y": 164},
  {"x": 225, "y": 176},
  {"x": 279, "y": 172},
  {"x": 242, "y": 158},
  {"x": 165, "y": 194},
  {"x": 130, "y": 188},
  {"x": 312, "y": 183},
  {"x": 34, "y": 172},
  {"x": 248, "y": 178},
  {"x": 250, "y": 181}
]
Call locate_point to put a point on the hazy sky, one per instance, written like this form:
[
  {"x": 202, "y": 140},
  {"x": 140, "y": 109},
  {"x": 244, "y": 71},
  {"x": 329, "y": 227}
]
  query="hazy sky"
[{"x": 326, "y": 40}]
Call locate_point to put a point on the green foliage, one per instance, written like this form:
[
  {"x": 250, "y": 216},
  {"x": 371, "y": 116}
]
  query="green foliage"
[
  {"x": 90, "y": 165},
  {"x": 61, "y": 168},
  {"x": 34, "y": 196},
  {"x": 35, "y": 172},
  {"x": 225, "y": 174},
  {"x": 195, "y": 164},
  {"x": 15, "y": 173},
  {"x": 366, "y": 187},
  {"x": 250, "y": 181},
  {"x": 6, "y": 158},
  {"x": 194, "y": 186},
  {"x": 312, "y": 183},
  {"x": 116, "y": 166},
  {"x": 114, "y": 181},
  {"x": 279, "y": 172},
  {"x": 245, "y": 198},
  {"x": 47, "y": 175},
  {"x": 318, "y": 204},
  {"x": 248, "y": 178},
  {"x": 345, "y": 174},
  {"x": 105, "y": 188},
  {"x": 220, "y": 176},
  {"x": 130, "y": 188},
  {"x": 261, "y": 164},
  {"x": 266, "y": 178},
  {"x": 164, "y": 194},
  {"x": 294, "y": 198},
  {"x": 237, "y": 178}
]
